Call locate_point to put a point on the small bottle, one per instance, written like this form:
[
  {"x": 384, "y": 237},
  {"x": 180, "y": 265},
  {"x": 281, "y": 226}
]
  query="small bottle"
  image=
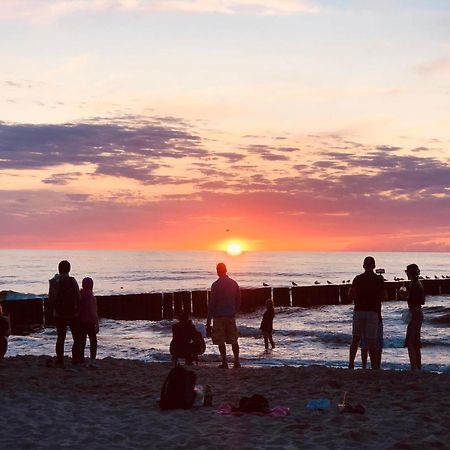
[{"x": 208, "y": 397}]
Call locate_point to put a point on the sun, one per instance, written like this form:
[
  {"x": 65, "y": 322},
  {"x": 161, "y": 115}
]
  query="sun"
[{"x": 234, "y": 249}]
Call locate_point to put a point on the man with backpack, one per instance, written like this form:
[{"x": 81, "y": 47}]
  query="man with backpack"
[{"x": 64, "y": 297}]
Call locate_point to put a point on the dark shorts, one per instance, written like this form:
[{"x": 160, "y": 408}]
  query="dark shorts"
[{"x": 224, "y": 331}]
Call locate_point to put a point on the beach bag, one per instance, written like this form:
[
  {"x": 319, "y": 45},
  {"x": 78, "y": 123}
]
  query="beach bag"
[
  {"x": 255, "y": 403},
  {"x": 199, "y": 343},
  {"x": 178, "y": 389},
  {"x": 67, "y": 298}
]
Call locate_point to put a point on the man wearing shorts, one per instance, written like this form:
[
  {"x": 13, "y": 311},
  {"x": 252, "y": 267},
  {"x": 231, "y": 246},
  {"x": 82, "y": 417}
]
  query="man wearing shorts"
[
  {"x": 224, "y": 302},
  {"x": 367, "y": 292}
]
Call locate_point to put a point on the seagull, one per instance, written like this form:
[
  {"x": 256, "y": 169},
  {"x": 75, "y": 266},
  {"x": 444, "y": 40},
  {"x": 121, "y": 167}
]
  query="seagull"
[
  {"x": 348, "y": 281},
  {"x": 329, "y": 282},
  {"x": 427, "y": 277},
  {"x": 343, "y": 281},
  {"x": 265, "y": 284},
  {"x": 316, "y": 282},
  {"x": 436, "y": 277},
  {"x": 294, "y": 283}
]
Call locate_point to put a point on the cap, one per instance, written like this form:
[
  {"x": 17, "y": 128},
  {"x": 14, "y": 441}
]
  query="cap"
[{"x": 412, "y": 268}]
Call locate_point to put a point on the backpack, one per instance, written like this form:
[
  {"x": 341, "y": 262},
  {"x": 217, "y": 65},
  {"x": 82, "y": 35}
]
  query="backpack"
[
  {"x": 178, "y": 389},
  {"x": 199, "y": 343},
  {"x": 67, "y": 298}
]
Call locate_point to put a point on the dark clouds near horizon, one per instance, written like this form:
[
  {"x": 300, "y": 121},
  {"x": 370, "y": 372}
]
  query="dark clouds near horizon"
[{"x": 337, "y": 182}]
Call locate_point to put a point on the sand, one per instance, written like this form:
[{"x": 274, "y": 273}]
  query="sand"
[{"x": 115, "y": 406}]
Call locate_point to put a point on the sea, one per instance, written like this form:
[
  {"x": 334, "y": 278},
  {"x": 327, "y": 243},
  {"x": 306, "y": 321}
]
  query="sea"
[{"x": 303, "y": 336}]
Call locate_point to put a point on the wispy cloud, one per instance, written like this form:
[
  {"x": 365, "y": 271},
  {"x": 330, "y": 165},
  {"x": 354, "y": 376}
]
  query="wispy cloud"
[{"x": 48, "y": 10}]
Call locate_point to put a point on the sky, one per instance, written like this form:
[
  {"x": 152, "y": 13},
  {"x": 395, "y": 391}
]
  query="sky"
[{"x": 319, "y": 125}]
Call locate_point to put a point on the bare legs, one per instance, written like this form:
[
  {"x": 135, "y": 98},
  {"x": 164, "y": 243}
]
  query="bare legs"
[
  {"x": 415, "y": 357},
  {"x": 374, "y": 353},
  {"x": 223, "y": 354}
]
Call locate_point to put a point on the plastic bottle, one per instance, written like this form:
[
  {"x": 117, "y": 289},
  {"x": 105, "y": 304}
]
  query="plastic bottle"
[{"x": 208, "y": 397}]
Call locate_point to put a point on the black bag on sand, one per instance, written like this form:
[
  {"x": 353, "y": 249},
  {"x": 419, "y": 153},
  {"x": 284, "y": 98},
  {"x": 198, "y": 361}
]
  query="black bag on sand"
[{"x": 178, "y": 389}]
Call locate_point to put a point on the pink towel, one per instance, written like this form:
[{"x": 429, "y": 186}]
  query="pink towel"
[{"x": 278, "y": 411}]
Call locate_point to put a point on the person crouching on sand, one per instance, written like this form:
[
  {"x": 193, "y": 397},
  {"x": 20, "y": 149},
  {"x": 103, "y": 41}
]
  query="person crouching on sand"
[
  {"x": 267, "y": 324},
  {"x": 5, "y": 331},
  {"x": 88, "y": 318}
]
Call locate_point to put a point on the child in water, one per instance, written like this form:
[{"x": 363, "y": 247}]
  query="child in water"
[
  {"x": 5, "y": 331},
  {"x": 267, "y": 324},
  {"x": 88, "y": 317}
]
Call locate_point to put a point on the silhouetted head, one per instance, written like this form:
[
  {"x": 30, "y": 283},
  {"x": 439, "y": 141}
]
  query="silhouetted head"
[
  {"x": 221, "y": 269},
  {"x": 87, "y": 284},
  {"x": 412, "y": 271},
  {"x": 64, "y": 267},
  {"x": 369, "y": 263}
]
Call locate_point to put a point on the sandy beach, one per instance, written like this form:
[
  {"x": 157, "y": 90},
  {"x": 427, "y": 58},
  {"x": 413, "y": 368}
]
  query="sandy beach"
[{"x": 115, "y": 406}]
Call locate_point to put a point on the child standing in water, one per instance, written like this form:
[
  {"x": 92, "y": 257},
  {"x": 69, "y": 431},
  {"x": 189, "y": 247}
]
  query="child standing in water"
[
  {"x": 267, "y": 324},
  {"x": 5, "y": 331},
  {"x": 88, "y": 317}
]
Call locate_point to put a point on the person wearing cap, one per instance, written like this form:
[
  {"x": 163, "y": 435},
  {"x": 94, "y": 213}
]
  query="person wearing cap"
[
  {"x": 224, "y": 303},
  {"x": 415, "y": 297},
  {"x": 367, "y": 292}
]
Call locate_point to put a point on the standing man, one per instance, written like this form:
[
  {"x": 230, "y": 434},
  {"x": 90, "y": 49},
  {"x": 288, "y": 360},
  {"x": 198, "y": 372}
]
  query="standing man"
[
  {"x": 64, "y": 296},
  {"x": 367, "y": 292},
  {"x": 224, "y": 303}
]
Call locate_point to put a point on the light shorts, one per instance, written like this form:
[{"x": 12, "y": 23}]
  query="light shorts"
[
  {"x": 365, "y": 324},
  {"x": 413, "y": 331},
  {"x": 224, "y": 331}
]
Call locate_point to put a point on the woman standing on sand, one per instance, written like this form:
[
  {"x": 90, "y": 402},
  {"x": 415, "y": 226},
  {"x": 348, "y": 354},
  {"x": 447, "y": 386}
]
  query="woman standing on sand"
[
  {"x": 5, "y": 331},
  {"x": 416, "y": 298}
]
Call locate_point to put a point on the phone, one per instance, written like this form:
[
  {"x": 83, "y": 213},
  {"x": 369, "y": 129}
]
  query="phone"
[{"x": 380, "y": 271}]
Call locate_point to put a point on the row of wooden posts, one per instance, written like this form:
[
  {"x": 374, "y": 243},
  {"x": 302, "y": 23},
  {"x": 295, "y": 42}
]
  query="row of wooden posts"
[{"x": 30, "y": 314}]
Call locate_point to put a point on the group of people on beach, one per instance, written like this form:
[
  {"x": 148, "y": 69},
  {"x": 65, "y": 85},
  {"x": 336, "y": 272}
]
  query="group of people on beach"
[
  {"x": 76, "y": 309},
  {"x": 367, "y": 292}
]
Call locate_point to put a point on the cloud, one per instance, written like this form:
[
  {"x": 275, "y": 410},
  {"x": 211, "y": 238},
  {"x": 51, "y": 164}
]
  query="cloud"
[
  {"x": 131, "y": 147},
  {"x": 438, "y": 65},
  {"x": 62, "y": 179},
  {"x": 50, "y": 10}
]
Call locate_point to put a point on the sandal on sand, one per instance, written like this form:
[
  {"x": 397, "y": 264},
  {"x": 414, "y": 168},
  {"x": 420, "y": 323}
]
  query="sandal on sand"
[{"x": 223, "y": 366}]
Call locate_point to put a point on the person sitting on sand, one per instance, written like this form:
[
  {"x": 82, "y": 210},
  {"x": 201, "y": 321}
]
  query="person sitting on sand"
[
  {"x": 64, "y": 297},
  {"x": 224, "y": 303},
  {"x": 367, "y": 292},
  {"x": 379, "y": 344},
  {"x": 416, "y": 298},
  {"x": 267, "y": 324},
  {"x": 185, "y": 343},
  {"x": 88, "y": 318},
  {"x": 5, "y": 331}
]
